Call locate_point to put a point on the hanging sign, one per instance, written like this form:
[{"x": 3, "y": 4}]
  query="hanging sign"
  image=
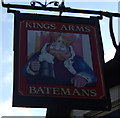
[{"x": 58, "y": 61}]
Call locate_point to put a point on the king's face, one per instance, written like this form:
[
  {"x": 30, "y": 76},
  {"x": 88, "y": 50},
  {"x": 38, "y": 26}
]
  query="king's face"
[{"x": 59, "y": 50}]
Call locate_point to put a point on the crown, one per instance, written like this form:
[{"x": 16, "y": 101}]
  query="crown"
[{"x": 66, "y": 38}]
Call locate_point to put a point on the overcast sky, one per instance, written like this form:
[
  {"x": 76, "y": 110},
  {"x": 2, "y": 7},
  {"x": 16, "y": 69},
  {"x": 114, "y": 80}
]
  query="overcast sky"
[{"x": 6, "y": 49}]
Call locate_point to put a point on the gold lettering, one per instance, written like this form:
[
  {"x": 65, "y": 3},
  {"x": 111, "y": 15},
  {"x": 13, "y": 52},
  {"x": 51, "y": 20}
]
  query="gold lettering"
[
  {"x": 28, "y": 25},
  {"x": 47, "y": 90},
  {"x": 64, "y": 27},
  {"x": 71, "y": 28},
  {"x": 38, "y": 25},
  {"x": 80, "y": 29},
  {"x": 76, "y": 92},
  {"x": 55, "y": 91},
  {"x": 85, "y": 92},
  {"x": 93, "y": 92},
  {"x": 87, "y": 29},
  {"x": 52, "y": 26},
  {"x": 46, "y": 26},
  {"x": 40, "y": 90},
  {"x": 65, "y": 91},
  {"x": 32, "y": 90},
  {"x": 62, "y": 91}
]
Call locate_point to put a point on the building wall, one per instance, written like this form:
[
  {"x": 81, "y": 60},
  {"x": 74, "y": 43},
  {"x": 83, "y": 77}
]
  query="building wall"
[{"x": 115, "y": 99}]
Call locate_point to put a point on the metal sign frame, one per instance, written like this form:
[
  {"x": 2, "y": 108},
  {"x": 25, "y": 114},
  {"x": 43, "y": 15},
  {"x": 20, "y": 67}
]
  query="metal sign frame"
[{"x": 89, "y": 26}]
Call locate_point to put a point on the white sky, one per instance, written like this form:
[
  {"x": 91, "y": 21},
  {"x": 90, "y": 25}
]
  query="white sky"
[{"x": 6, "y": 47}]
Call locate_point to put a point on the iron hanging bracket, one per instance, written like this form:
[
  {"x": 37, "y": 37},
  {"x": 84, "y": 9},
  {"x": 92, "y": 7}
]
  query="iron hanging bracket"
[
  {"x": 33, "y": 3},
  {"x": 112, "y": 33},
  {"x": 61, "y": 8},
  {"x": 56, "y": 3}
]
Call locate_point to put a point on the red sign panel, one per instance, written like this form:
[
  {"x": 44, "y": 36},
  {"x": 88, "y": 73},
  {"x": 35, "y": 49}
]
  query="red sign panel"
[{"x": 59, "y": 58}]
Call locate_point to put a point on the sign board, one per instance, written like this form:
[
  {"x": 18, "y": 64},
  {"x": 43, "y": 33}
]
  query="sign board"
[{"x": 58, "y": 61}]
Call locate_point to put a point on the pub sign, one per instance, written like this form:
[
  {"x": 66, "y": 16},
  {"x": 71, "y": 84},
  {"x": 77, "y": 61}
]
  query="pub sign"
[{"x": 58, "y": 61}]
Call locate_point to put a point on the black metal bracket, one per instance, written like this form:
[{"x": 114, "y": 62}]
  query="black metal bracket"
[
  {"x": 112, "y": 33},
  {"x": 56, "y": 3},
  {"x": 61, "y": 8},
  {"x": 33, "y": 3}
]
